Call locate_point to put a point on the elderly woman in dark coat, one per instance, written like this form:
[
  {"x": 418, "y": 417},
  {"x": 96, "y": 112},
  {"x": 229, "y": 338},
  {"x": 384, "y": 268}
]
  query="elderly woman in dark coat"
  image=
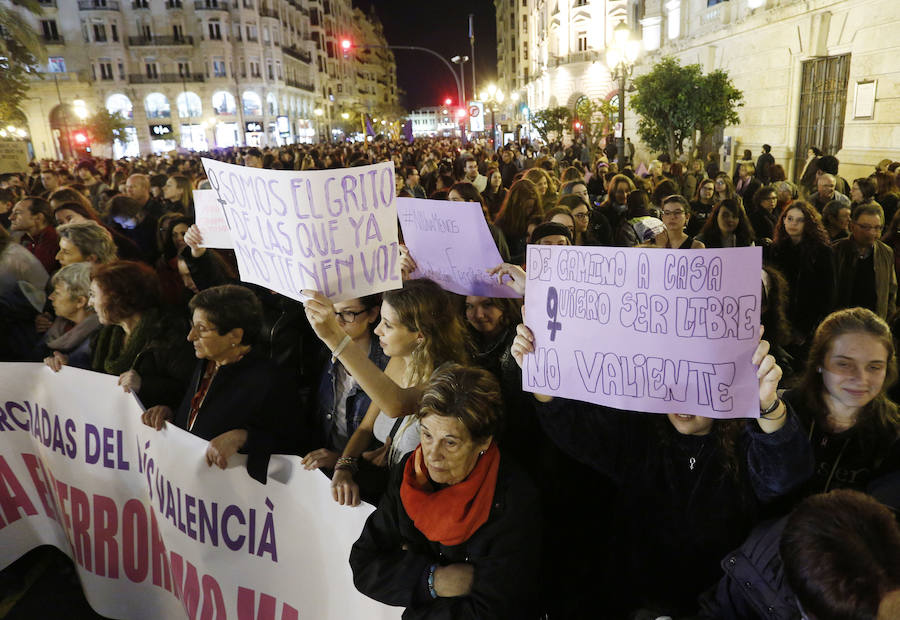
[
  {"x": 238, "y": 400},
  {"x": 457, "y": 518}
]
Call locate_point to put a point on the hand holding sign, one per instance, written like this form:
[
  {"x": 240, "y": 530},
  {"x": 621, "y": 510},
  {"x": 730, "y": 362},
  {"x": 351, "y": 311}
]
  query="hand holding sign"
[
  {"x": 512, "y": 276},
  {"x": 194, "y": 240},
  {"x": 320, "y": 313}
]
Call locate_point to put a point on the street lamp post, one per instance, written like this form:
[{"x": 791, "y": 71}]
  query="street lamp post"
[
  {"x": 620, "y": 58},
  {"x": 493, "y": 97}
]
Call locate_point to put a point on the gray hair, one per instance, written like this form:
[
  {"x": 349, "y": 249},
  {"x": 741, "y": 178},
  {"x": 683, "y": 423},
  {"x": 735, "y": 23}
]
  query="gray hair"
[
  {"x": 90, "y": 238},
  {"x": 76, "y": 278},
  {"x": 787, "y": 186}
]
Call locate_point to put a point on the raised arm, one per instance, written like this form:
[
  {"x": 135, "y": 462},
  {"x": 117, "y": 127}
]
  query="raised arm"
[{"x": 393, "y": 400}]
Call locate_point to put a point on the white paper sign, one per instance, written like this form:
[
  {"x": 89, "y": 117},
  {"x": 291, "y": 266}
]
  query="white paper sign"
[
  {"x": 211, "y": 219},
  {"x": 333, "y": 231}
]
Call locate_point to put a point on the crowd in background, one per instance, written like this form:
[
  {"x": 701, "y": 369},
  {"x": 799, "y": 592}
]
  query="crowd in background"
[{"x": 408, "y": 399}]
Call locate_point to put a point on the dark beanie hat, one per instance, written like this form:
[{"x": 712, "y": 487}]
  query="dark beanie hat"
[{"x": 550, "y": 228}]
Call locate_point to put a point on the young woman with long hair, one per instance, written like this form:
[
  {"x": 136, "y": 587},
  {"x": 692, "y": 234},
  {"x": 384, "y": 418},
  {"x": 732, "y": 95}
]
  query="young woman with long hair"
[
  {"x": 727, "y": 226},
  {"x": 420, "y": 329}
]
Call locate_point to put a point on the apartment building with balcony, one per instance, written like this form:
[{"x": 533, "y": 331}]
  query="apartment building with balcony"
[
  {"x": 194, "y": 74},
  {"x": 817, "y": 73}
]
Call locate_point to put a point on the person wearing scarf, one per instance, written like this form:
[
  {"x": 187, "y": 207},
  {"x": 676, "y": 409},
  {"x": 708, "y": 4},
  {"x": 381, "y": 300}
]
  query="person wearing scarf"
[
  {"x": 457, "y": 534},
  {"x": 68, "y": 341}
]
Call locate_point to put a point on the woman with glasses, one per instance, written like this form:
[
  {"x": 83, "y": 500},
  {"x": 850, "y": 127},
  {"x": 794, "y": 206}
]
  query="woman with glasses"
[
  {"x": 420, "y": 329},
  {"x": 676, "y": 213},
  {"x": 802, "y": 252},
  {"x": 724, "y": 188},
  {"x": 237, "y": 399},
  {"x": 342, "y": 404},
  {"x": 581, "y": 212},
  {"x": 728, "y": 226}
]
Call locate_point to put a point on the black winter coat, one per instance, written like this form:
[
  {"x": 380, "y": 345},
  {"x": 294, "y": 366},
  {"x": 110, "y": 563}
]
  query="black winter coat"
[
  {"x": 809, "y": 270},
  {"x": 505, "y": 553},
  {"x": 252, "y": 394},
  {"x": 674, "y": 519}
]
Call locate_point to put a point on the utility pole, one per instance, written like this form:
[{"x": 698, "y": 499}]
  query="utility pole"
[{"x": 472, "y": 45}]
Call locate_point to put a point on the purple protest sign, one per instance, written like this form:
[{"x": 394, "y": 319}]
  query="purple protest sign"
[
  {"x": 451, "y": 245},
  {"x": 644, "y": 329}
]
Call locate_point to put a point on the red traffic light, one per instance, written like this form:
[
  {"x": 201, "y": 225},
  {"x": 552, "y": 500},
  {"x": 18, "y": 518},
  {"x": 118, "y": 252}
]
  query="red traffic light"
[
  {"x": 577, "y": 125},
  {"x": 81, "y": 137},
  {"x": 346, "y": 44},
  {"x": 448, "y": 101},
  {"x": 461, "y": 113}
]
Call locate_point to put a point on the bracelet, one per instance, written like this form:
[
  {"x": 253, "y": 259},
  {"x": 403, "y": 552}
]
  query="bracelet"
[
  {"x": 348, "y": 463},
  {"x": 770, "y": 409},
  {"x": 431, "y": 589},
  {"x": 340, "y": 348}
]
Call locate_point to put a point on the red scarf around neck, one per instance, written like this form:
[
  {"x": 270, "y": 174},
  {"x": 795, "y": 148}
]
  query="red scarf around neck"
[{"x": 452, "y": 514}]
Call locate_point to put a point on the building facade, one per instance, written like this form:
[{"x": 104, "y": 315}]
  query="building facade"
[
  {"x": 199, "y": 74},
  {"x": 818, "y": 73},
  {"x": 433, "y": 121}
]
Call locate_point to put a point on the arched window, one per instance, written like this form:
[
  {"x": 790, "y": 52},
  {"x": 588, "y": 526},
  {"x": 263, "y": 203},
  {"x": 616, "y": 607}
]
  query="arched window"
[
  {"x": 120, "y": 103},
  {"x": 223, "y": 103},
  {"x": 188, "y": 104},
  {"x": 157, "y": 106},
  {"x": 272, "y": 104},
  {"x": 252, "y": 103}
]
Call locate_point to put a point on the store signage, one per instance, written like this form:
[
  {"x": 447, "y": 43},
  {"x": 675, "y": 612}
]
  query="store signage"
[
  {"x": 160, "y": 130},
  {"x": 253, "y": 126}
]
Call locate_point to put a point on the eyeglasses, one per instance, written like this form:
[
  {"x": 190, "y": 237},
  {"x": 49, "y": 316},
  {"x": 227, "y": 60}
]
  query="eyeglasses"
[
  {"x": 580, "y": 216},
  {"x": 348, "y": 316},
  {"x": 201, "y": 330}
]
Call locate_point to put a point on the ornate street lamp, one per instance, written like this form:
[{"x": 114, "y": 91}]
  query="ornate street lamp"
[
  {"x": 492, "y": 98},
  {"x": 620, "y": 59}
]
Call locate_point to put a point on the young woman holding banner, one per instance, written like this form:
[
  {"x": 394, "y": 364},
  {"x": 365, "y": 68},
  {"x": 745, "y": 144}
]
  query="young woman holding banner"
[
  {"x": 689, "y": 488},
  {"x": 420, "y": 329}
]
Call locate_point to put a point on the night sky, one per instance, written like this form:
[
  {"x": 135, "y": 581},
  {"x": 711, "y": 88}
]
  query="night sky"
[{"x": 443, "y": 27}]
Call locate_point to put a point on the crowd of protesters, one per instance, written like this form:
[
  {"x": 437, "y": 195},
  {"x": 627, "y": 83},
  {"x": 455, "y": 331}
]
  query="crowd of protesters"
[{"x": 407, "y": 400}]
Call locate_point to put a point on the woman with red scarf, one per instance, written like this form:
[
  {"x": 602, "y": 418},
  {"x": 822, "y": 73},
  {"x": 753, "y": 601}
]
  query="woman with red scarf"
[{"x": 457, "y": 532}]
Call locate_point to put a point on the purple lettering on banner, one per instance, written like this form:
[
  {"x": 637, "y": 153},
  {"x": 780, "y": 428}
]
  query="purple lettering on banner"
[
  {"x": 452, "y": 245},
  {"x": 674, "y": 330},
  {"x": 287, "y": 227}
]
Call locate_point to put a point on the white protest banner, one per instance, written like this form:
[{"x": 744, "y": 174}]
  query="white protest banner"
[
  {"x": 13, "y": 156},
  {"x": 645, "y": 329},
  {"x": 451, "y": 245},
  {"x": 334, "y": 231},
  {"x": 211, "y": 219},
  {"x": 154, "y": 532}
]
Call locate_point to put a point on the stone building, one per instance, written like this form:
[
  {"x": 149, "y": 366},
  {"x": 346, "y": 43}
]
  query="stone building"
[
  {"x": 199, "y": 74},
  {"x": 814, "y": 72}
]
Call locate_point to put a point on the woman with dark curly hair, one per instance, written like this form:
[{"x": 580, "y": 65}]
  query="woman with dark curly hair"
[
  {"x": 236, "y": 399},
  {"x": 139, "y": 342},
  {"x": 727, "y": 226},
  {"x": 802, "y": 253}
]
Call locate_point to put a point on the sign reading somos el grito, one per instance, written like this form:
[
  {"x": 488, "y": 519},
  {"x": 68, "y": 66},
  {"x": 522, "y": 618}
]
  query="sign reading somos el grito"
[
  {"x": 333, "y": 231},
  {"x": 645, "y": 329}
]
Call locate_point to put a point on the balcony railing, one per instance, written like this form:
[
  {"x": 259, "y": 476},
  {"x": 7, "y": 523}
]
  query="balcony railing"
[
  {"x": 155, "y": 40},
  {"x": 164, "y": 78},
  {"x": 209, "y": 5},
  {"x": 300, "y": 85},
  {"x": 98, "y": 5},
  {"x": 268, "y": 12},
  {"x": 293, "y": 52},
  {"x": 585, "y": 56},
  {"x": 53, "y": 39}
]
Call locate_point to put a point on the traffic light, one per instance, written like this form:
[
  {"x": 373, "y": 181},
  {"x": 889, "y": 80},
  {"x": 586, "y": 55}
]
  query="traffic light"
[
  {"x": 346, "y": 45},
  {"x": 577, "y": 126},
  {"x": 461, "y": 114},
  {"x": 448, "y": 101},
  {"x": 81, "y": 138}
]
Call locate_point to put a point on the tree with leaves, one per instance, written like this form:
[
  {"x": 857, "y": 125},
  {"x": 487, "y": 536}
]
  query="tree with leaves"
[
  {"x": 676, "y": 102},
  {"x": 596, "y": 118},
  {"x": 105, "y": 127},
  {"x": 21, "y": 51},
  {"x": 552, "y": 121}
]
